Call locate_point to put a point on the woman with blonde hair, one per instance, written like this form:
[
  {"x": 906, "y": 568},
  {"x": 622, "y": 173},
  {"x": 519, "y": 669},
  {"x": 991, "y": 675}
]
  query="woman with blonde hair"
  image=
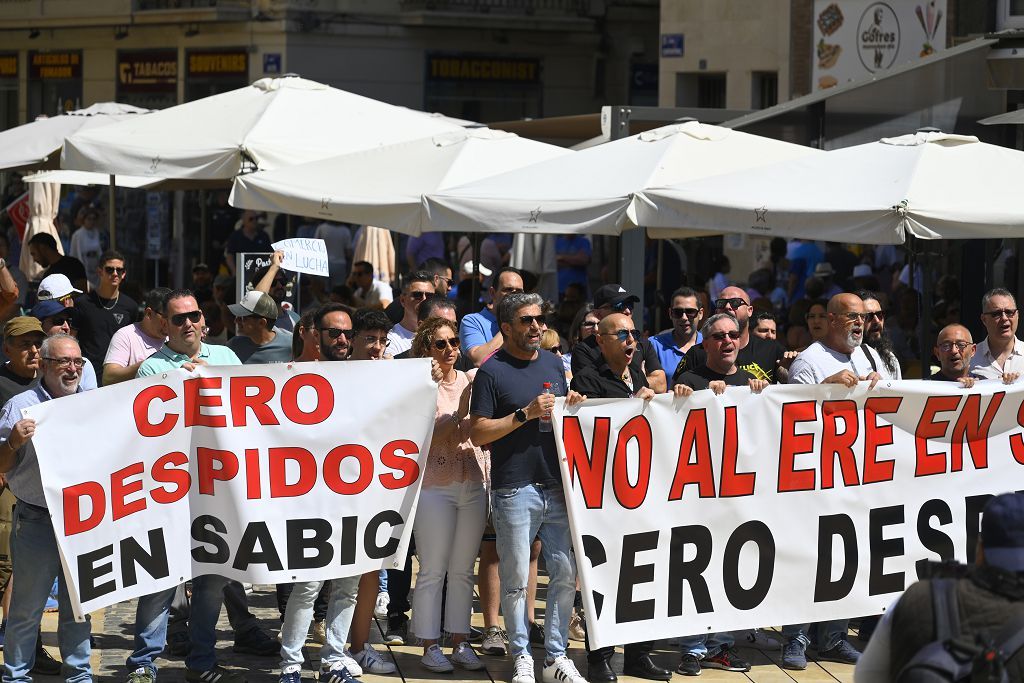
[{"x": 452, "y": 508}]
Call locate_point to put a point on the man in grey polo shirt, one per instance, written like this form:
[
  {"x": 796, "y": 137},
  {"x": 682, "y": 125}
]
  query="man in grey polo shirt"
[{"x": 258, "y": 341}]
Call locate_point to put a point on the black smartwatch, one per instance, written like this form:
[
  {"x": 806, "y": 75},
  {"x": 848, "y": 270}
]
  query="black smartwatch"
[{"x": 520, "y": 415}]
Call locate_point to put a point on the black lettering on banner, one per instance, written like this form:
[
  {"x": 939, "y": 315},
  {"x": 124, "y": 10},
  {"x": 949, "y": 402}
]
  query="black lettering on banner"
[
  {"x": 207, "y": 529},
  {"x": 154, "y": 562},
  {"x": 597, "y": 556},
  {"x": 299, "y": 543},
  {"x": 89, "y": 572},
  {"x": 757, "y": 532},
  {"x": 630, "y": 574},
  {"x": 931, "y": 538},
  {"x": 973, "y": 506},
  {"x": 830, "y": 526},
  {"x": 880, "y": 548},
  {"x": 374, "y": 551},
  {"x": 689, "y": 571},
  {"x": 348, "y": 540},
  {"x": 257, "y": 533}
]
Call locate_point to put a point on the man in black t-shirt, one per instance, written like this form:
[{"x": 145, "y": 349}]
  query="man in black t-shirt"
[
  {"x": 721, "y": 347},
  {"x": 762, "y": 358},
  {"x": 610, "y": 299},
  {"x": 103, "y": 311},
  {"x": 43, "y": 249},
  {"x": 513, "y": 393},
  {"x": 954, "y": 347}
]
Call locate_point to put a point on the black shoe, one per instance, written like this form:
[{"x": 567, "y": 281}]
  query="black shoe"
[
  {"x": 179, "y": 644},
  {"x": 45, "y": 664},
  {"x": 644, "y": 667},
  {"x": 536, "y": 633},
  {"x": 256, "y": 642},
  {"x": 600, "y": 672}
]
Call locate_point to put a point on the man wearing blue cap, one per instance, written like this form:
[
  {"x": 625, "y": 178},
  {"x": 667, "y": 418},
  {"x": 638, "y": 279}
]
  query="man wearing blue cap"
[{"x": 56, "y": 318}]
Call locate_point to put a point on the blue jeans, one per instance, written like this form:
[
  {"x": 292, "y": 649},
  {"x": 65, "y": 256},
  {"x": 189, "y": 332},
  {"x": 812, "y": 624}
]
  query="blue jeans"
[
  {"x": 36, "y": 564},
  {"x": 150, "y": 629},
  {"x": 519, "y": 515},
  {"x": 297, "y": 615},
  {"x": 828, "y": 633},
  {"x": 382, "y": 581},
  {"x": 705, "y": 644}
]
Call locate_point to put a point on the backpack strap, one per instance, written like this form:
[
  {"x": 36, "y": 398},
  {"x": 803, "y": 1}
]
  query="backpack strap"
[
  {"x": 869, "y": 352},
  {"x": 946, "y": 609}
]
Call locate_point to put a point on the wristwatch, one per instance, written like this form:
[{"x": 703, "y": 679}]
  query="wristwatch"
[{"x": 520, "y": 415}]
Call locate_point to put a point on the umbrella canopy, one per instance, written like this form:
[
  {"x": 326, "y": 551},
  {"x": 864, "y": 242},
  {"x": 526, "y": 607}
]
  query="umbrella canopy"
[
  {"x": 930, "y": 185},
  {"x": 37, "y": 144},
  {"x": 591, "y": 191},
  {"x": 87, "y": 178},
  {"x": 272, "y": 123},
  {"x": 383, "y": 186}
]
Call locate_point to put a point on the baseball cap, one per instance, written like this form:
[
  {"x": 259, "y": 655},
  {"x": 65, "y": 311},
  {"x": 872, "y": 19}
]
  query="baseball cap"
[
  {"x": 255, "y": 302},
  {"x": 45, "y": 309},
  {"x": 1002, "y": 532},
  {"x": 613, "y": 295},
  {"x": 56, "y": 286},
  {"x": 824, "y": 269},
  {"x": 862, "y": 270},
  {"x": 468, "y": 269},
  {"x": 22, "y": 324}
]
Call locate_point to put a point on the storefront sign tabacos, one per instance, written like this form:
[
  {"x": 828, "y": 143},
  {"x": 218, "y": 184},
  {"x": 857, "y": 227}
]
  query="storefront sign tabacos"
[{"x": 149, "y": 70}]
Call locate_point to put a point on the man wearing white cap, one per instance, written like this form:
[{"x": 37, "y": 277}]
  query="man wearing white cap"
[
  {"x": 57, "y": 286},
  {"x": 258, "y": 341}
]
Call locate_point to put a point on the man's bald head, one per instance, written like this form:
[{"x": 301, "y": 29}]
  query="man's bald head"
[
  {"x": 845, "y": 303},
  {"x": 954, "y": 347},
  {"x": 614, "y": 322},
  {"x": 617, "y": 352},
  {"x": 740, "y": 312},
  {"x": 845, "y": 323}
]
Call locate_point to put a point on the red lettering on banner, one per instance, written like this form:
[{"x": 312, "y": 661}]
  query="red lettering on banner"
[
  {"x": 395, "y": 455},
  {"x": 839, "y": 445},
  {"x": 876, "y": 436},
  {"x": 120, "y": 489},
  {"x": 279, "y": 458},
  {"x": 928, "y": 427},
  {"x": 253, "y": 484},
  {"x": 696, "y": 442},
  {"x": 165, "y": 471},
  {"x": 241, "y": 400},
  {"x": 629, "y": 496},
  {"x": 208, "y": 473},
  {"x": 588, "y": 467},
  {"x": 332, "y": 469},
  {"x": 1017, "y": 440},
  {"x": 324, "y": 399},
  {"x": 140, "y": 408},
  {"x": 792, "y": 444},
  {"x": 733, "y": 483},
  {"x": 195, "y": 401},
  {"x": 973, "y": 428},
  {"x": 72, "y": 495}
]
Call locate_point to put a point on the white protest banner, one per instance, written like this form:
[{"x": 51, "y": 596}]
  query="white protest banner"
[
  {"x": 265, "y": 473},
  {"x": 801, "y": 504},
  {"x": 304, "y": 255}
]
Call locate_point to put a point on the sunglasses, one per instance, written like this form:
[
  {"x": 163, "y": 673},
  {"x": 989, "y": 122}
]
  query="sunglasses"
[
  {"x": 60, "y": 320},
  {"x": 734, "y": 302},
  {"x": 179, "y": 318},
  {"x": 418, "y": 295},
  {"x": 619, "y": 307},
  {"x": 624, "y": 335},
  {"x": 530, "y": 319},
  {"x": 688, "y": 312},
  {"x": 442, "y": 344},
  {"x": 720, "y": 336},
  {"x": 876, "y": 315},
  {"x": 110, "y": 270},
  {"x": 446, "y": 280},
  {"x": 335, "y": 332}
]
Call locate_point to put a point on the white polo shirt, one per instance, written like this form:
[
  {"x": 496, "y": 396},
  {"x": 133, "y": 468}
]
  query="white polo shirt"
[{"x": 984, "y": 365}]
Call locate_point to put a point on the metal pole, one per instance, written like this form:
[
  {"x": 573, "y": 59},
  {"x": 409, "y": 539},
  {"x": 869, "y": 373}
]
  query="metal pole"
[
  {"x": 112, "y": 211},
  {"x": 631, "y": 242},
  {"x": 203, "y": 230},
  {"x": 475, "y": 289}
]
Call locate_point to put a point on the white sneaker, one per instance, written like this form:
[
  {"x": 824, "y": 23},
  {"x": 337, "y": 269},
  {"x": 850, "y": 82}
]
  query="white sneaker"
[
  {"x": 373, "y": 663},
  {"x": 464, "y": 656},
  {"x": 758, "y": 638},
  {"x": 524, "y": 670},
  {"x": 562, "y": 670},
  {"x": 434, "y": 660},
  {"x": 380, "y": 607},
  {"x": 349, "y": 662}
]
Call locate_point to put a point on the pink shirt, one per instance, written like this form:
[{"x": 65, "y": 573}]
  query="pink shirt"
[
  {"x": 130, "y": 345},
  {"x": 454, "y": 459}
]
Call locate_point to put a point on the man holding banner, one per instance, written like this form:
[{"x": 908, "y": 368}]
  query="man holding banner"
[{"x": 33, "y": 544}]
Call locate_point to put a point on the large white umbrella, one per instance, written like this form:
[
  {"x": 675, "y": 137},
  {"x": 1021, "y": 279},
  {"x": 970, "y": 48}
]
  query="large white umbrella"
[
  {"x": 272, "y": 123},
  {"x": 591, "y": 191},
  {"x": 929, "y": 185},
  {"x": 383, "y": 186}
]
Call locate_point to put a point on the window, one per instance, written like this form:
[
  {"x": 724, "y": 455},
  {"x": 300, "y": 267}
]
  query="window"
[
  {"x": 764, "y": 87},
  {"x": 700, "y": 90}
]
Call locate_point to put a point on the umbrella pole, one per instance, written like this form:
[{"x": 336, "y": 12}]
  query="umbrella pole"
[
  {"x": 112, "y": 212},
  {"x": 203, "y": 216},
  {"x": 919, "y": 262},
  {"x": 475, "y": 290}
]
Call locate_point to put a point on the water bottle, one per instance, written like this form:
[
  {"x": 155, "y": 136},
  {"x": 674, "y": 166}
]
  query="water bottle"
[{"x": 545, "y": 419}]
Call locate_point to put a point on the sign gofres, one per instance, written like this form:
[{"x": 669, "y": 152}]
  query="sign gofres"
[
  {"x": 797, "y": 505},
  {"x": 269, "y": 474}
]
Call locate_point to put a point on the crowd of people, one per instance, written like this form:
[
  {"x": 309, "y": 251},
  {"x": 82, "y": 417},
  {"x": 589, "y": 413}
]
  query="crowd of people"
[{"x": 491, "y": 482}]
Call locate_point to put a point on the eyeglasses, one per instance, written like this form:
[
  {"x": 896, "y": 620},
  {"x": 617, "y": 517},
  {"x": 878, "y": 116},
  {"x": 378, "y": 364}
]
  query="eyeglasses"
[
  {"x": 946, "y": 347},
  {"x": 335, "y": 332},
  {"x": 442, "y": 344},
  {"x": 375, "y": 341},
  {"x": 734, "y": 302},
  {"x": 688, "y": 312},
  {"x": 110, "y": 270},
  {"x": 854, "y": 317},
  {"x": 419, "y": 295},
  {"x": 531, "y": 319},
  {"x": 618, "y": 307},
  {"x": 64, "y": 363},
  {"x": 624, "y": 335},
  {"x": 877, "y": 315},
  {"x": 179, "y": 319},
  {"x": 720, "y": 336},
  {"x": 999, "y": 313}
]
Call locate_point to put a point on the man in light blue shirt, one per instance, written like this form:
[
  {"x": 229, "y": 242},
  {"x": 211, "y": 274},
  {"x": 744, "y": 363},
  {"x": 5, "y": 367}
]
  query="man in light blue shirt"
[
  {"x": 479, "y": 332},
  {"x": 686, "y": 314}
]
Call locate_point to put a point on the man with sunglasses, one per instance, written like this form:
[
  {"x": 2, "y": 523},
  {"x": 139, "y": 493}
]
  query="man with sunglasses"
[
  {"x": 257, "y": 340},
  {"x": 103, "y": 311},
  {"x": 1000, "y": 355},
  {"x": 686, "y": 315},
  {"x": 954, "y": 347},
  {"x": 877, "y": 338},
  {"x": 442, "y": 274},
  {"x": 133, "y": 344},
  {"x": 480, "y": 333},
  {"x": 609, "y": 299},
  {"x": 721, "y": 335},
  {"x": 334, "y": 325},
  {"x": 415, "y": 290}
]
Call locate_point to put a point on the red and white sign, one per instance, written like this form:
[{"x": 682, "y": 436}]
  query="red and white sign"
[{"x": 19, "y": 211}]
